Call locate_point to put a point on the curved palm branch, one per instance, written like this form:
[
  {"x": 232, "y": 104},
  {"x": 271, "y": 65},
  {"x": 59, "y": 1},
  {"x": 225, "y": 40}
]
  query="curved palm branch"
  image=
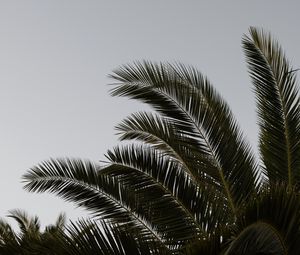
[
  {"x": 81, "y": 182},
  {"x": 278, "y": 107},
  {"x": 29, "y": 226},
  {"x": 184, "y": 95}
]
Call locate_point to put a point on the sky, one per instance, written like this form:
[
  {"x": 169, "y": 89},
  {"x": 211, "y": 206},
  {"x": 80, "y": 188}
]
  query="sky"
[{"x": 56, "y": 55}]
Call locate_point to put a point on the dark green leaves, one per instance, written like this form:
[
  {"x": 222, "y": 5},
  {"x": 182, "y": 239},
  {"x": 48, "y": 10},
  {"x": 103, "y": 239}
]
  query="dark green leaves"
[
  {"x": 270, "y": 223},
  {"x": 87, "y": 237},
  {"x": 278, "y": 107},
  {"x": 106, "y": 197},
  {"x": 188, "y": 182},
  {"x": 201, "y": 117},
  {"x": 30, "y": 239}
]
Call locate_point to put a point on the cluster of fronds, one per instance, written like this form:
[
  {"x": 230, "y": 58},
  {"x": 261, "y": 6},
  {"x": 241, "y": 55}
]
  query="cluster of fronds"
[{"x": 187, "y": 180}]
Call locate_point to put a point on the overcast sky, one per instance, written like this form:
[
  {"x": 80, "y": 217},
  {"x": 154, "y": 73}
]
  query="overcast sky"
[{"x": 55, "y": 56}]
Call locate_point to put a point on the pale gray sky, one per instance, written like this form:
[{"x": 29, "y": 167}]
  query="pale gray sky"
[{"x": 55, "y": 56}]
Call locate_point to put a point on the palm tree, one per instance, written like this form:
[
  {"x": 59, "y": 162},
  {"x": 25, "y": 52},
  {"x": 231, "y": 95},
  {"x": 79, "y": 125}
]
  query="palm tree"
[{"x": 187, "y": 180}]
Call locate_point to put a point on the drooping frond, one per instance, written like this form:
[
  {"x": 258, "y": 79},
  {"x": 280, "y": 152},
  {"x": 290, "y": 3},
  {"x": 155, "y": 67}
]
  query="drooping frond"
[
  {"x": 76, "y": 181},
  {"x": 185, "y": 96},
  {"x": 278, "y": 107},
  {"x": 80, "y": 182}
]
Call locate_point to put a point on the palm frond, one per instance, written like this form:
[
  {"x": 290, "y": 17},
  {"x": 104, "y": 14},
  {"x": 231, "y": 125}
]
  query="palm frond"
[
  {"x": 77, "y": 181},
  {"x": 184, "y": 95},
  {"x": 80, "y": 182},
  {"x": 27, "y": 224},
  {"x": 278, "y": 107}
]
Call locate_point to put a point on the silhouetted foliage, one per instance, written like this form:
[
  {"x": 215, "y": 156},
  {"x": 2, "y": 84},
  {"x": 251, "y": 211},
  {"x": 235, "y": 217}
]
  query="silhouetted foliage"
[{"x": 187, "y": 181}]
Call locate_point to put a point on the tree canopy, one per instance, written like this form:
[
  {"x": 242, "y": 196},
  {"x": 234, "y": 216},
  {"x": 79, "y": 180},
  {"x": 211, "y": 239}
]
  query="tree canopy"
[{"x": 186, "y": 181}]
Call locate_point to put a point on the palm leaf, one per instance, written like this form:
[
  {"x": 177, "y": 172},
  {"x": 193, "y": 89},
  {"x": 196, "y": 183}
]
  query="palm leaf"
[
  {"x": 80, "y": 182},
  {"x": 278, "y": 107},
  {"x": 184, "y": 95},
  {"x": 29, "y": 226}
]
